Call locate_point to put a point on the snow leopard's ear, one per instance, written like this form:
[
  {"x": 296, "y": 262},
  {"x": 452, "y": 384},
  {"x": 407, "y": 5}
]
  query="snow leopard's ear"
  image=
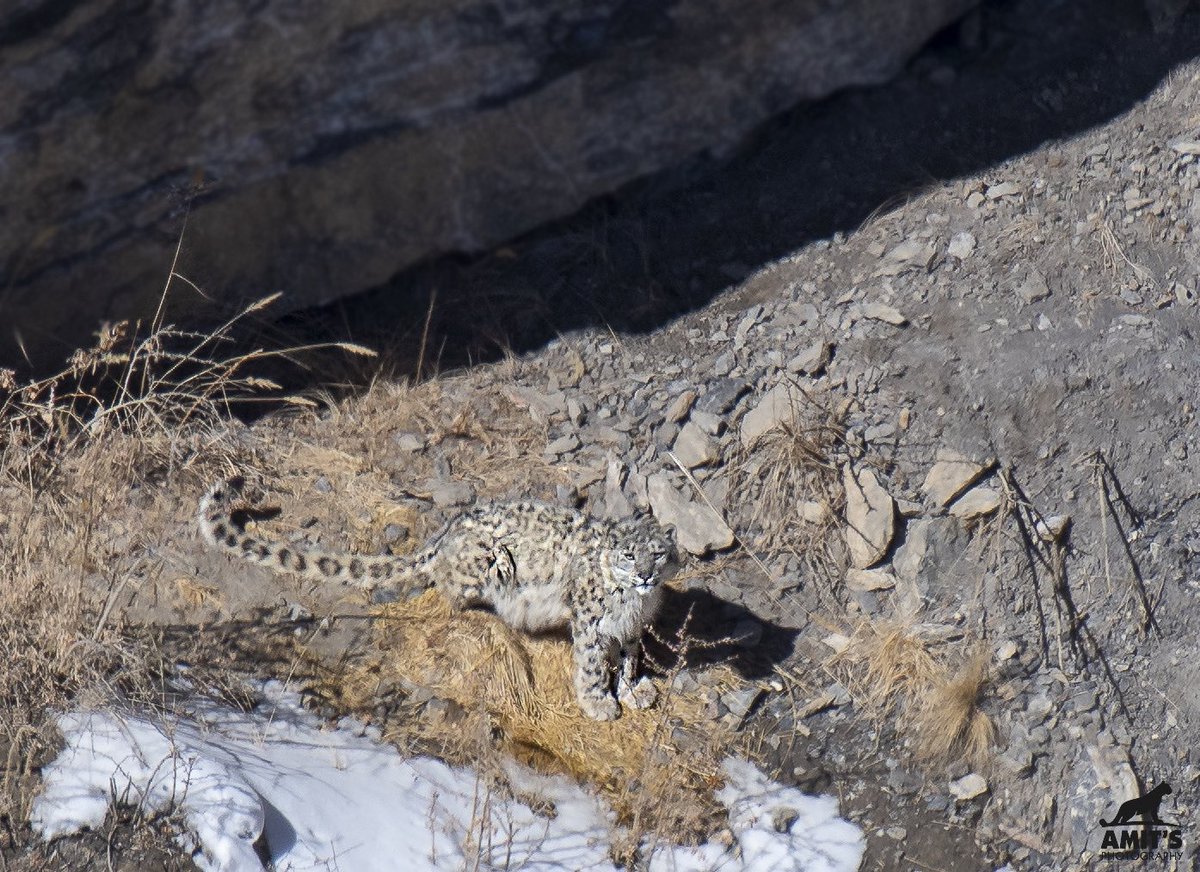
[
  {"x": 672, "y": 544},
  {"x": 667, "y": 530}
]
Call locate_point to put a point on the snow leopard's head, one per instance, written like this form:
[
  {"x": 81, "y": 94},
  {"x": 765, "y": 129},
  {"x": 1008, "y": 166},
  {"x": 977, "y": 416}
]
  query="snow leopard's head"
[{"x": 643, "y": 555}]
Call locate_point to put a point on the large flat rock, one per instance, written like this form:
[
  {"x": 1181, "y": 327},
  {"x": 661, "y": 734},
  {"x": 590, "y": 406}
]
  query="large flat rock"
[
  {"x": 698, "y": 529},
  {"x": 870, "y": 517}
]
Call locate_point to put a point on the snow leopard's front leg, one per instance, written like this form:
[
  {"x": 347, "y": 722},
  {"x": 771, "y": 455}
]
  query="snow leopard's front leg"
[
  {"x": 638, "y": 693},
  {"x": 593, "y": 670}
]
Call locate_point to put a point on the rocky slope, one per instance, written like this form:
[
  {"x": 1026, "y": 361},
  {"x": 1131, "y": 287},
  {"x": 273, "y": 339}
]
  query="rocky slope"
[
  {"x": 1006, "y": 358},
  {"x": 929, "y": 447}
]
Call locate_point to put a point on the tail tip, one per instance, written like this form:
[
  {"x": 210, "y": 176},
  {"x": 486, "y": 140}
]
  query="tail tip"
[{"x": 223, "y": 490}]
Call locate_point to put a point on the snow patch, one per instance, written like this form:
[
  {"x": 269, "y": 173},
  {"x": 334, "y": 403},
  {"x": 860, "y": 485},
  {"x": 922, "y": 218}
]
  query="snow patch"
[{"x": 275, "y": 780}]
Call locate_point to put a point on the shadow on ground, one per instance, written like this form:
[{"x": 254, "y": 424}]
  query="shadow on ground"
[
  {"x": 1017, "y": 73},
  {"x": 1011, "y": 76},
  {"x": 703, "y": 630}
]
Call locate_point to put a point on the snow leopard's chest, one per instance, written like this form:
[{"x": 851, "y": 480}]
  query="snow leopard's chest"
[{"x": 586, "y": 601}]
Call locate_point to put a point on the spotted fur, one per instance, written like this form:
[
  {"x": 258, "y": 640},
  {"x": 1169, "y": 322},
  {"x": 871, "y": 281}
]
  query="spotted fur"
[{"x": 539, "y": 567}]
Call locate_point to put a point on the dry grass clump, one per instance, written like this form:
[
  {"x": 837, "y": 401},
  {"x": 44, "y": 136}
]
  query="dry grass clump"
[
  {"x": 159, "y": 381},
  {"x": 792, "y": 486},
  {"x": 64, "y": 568},
  {"x": 39, "y": 628},
  {"x": 1114, "y": 256},
  {"x": 893, "y": 669},
  {"x": 513, "y": 692},
  {"x": 469, "y": 428},
  {"x": 949, "y": 722},
  {"x": 83, "y": 453}
]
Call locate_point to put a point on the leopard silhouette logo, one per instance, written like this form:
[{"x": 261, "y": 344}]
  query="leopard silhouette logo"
[{"x": 1146, "y": 806}]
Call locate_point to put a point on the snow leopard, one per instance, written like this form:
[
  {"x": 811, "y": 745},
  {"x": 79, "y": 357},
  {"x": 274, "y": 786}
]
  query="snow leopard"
[{"x": 539, "y": 567}]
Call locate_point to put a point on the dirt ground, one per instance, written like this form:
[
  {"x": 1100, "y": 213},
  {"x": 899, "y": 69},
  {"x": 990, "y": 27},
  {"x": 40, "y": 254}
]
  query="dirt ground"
[{"x": 992, "y": 259}]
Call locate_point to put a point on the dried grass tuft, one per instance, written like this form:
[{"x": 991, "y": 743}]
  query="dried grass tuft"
[
  {"x": 514, "y": 694},
  {"x": 83, "y": 455},
  {"x": 792, "y": 487},
  {"x": 933, "y": 693},
  {"x": 949, "y": 722}
]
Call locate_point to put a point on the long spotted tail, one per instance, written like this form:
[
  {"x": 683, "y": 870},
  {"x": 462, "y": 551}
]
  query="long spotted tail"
[{"x": 218, "y": 527}]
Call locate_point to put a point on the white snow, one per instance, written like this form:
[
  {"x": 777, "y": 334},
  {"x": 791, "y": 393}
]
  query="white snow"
[{"x": 338, "y": 799}]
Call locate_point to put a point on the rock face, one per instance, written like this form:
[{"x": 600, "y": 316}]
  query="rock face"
[
  {"x": 698, "y": 529},
  {"x": 780, "y": 405},
  {"x": 952, "y": 474},
  {"x": 870, "y": 517},
  {"x": 330, "y": 145}
]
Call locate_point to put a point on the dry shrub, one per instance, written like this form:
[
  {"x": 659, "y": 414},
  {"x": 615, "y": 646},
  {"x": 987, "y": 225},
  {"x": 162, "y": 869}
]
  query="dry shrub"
[
  {"x": 949, "y": 722},
  {"x": 1114, "y": 256},
  {"x": 514, "y": 694},
  {"x": 893, "y": 669},
  {"x": 156, "y": 382},
  {"x": 67, "y": 557},
  {"x": 81, "y": 453},
  {"x": 787, "y": 468},
  {"x": 39, "y": 626}
]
